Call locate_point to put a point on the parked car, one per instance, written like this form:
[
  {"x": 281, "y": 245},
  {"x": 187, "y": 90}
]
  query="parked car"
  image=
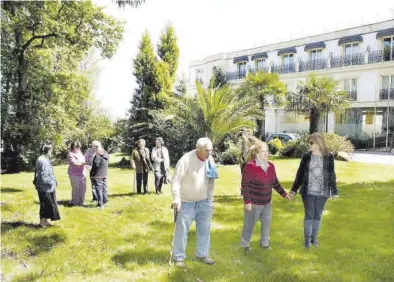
[{"x": 283, "y": 136}]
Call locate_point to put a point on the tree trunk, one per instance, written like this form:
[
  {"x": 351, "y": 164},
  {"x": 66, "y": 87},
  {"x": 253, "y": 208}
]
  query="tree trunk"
[
  {"x": 314, "y": 117},
  {"x": 261, "y": 123}
]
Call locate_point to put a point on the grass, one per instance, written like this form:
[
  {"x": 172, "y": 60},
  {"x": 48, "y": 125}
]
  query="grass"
[{"x": 130, "y": 239}]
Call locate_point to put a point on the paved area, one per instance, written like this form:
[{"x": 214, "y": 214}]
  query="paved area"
[{"x": 373, "y": 157}]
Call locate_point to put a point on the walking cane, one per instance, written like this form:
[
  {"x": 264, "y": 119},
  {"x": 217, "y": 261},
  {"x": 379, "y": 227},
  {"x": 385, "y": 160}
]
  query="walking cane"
[{"x": 172, "y": 240}]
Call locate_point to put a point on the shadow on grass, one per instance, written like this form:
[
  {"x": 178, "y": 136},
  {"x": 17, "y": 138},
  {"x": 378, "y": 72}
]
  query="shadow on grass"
[
  {"x": 11, "y": 225},
  {"x": 45, "y": 243},
  {"x": 10, "y": 190},
  {"x": 140, "y": 257},
  {"x": 122, "y": 195}
]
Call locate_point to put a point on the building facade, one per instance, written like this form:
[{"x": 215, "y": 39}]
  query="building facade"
[{"x": 360, "y": 58}]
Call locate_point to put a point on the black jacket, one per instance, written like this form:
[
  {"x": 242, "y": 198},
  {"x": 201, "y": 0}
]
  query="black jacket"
[
  {"x": 100, "y": 165},
  {"x": 302, "y": 177}
]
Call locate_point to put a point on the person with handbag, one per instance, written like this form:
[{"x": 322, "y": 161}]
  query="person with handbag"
[
  {"x": 140, "y": 162},
  {"x": 161, "y": 164},
  {"x": 317, "y": 179}
]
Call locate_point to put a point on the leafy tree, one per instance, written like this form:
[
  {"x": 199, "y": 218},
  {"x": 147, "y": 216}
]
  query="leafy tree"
[
  {"x": 214, "y": 112},
  {"x": 181, "y": 88},
  {"x": 218, "y": 78},
  {"x": 168, "y": 50},
  {"x": 42, "y": 45},
  {"x": 266, "y": 88},
  {"x": 317, "y": 96}
]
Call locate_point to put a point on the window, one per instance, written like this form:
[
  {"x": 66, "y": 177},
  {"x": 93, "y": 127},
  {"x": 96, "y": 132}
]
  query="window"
[
  {"x": 351, "y": 49},
  {"x": 260, "y": 64},
  {"x": 241, "y": 68},
  {"x": 350, "y": 85},
  {"x": 200, "y": 75},
  {"x": 387, "y": 82},
  {"x": 288, "y": 59},
  {"x": 315, "y": 54},
  {"x": 388, "y": 48}
]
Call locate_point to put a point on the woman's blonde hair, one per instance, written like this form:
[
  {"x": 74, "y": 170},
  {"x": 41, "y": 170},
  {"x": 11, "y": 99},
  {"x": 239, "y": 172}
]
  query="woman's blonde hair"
[
  {"x": 257, "y": 148},
  {"x": 320, "y": 141}
]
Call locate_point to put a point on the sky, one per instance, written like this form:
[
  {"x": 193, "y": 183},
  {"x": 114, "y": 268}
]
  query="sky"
[{"x": 207, "y": 27}]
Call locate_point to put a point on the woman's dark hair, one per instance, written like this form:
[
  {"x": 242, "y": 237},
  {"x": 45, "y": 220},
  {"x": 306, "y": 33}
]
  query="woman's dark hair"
[
  {"x": 46, "y": 148},
  {"x": 75, "y": 144}
]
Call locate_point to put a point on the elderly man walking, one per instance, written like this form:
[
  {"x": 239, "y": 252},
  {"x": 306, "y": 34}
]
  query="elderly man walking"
[{"x": 192, "y": 189}]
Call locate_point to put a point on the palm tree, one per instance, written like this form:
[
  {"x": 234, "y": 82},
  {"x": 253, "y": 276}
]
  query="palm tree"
[
  {"x": 317, "y": 96},
  {"x": 214, "y": 112},
  {"x": 266, "y": 88}
]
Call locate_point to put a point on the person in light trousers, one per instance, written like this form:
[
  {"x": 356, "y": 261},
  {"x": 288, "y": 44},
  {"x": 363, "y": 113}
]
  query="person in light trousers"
[
  {"x": 76, "y": 165},
  {"x": 192, "y": 189},
  {"x": 258, "y": 180}
]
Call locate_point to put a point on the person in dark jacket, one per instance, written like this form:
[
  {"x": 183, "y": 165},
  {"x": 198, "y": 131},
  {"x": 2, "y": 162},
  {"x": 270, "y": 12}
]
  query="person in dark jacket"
[
  {"x": 317, "y": 179},
  {"x": 45, "y": 183},
  {"x": 98, "y": 174},
  {"x": 140, "y": 162}
]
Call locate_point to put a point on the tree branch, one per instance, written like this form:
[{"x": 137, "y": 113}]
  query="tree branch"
[{"x": 27, "y": 44}]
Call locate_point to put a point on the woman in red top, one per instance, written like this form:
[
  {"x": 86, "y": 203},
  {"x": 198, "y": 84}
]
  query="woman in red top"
[{"x": 258, "y": 179}]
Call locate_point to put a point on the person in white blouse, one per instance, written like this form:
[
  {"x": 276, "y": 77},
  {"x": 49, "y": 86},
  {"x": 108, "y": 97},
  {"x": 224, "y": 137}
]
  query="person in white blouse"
[{"x": 161, "y": 164}]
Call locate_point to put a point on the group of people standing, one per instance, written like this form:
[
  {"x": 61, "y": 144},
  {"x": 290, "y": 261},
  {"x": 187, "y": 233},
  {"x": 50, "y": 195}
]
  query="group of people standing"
[
  {"x": 95, "y": 161},
  {"x": 193, "y": 186},
  {"x": 157, "y": 162}
]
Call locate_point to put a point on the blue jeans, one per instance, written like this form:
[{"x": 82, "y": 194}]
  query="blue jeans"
[
  {"x": 201, "y": 212},
  {"x": 313, "y": 206}
]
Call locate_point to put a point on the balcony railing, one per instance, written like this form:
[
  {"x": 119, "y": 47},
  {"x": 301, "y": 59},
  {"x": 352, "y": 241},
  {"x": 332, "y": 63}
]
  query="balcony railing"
[
  {"x": 381, "y": 55},
  {"x": 313, "y": 65},
  {"x": 255, "y": 70},
  {"x": 351, "y": 60},
  {"x": 386, "y": 94},
  {"x": 284, "y": 68},
  {"x": 235, "y": 75},
  {"x": 352, "y": 94}
]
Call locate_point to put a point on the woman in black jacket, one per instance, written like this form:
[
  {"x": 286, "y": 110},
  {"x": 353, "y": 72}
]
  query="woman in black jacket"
[{"x": 317, "y": 179}]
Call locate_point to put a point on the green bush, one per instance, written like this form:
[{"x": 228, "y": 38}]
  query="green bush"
[
  {"x": 335, "y": 144},
  {"x": 231, "y": 154},
  {"x": 274, "y": 145}
]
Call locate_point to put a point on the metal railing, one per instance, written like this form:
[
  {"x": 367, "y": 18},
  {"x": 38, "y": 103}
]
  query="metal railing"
[
  {"x": 313, "y": 65},
  {"x": 349, "y": 60},
  {"x": 284, "y": 68},
  {"x": 386, "y": 94},
  {"x": 352, "y": 94},
  {"x": 235, "y": 75}
]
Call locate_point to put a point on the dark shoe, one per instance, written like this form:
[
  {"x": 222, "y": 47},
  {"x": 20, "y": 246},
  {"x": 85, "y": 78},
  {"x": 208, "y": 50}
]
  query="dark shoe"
[
  {"x": 180, "y": 263},
  {"x": 206, "y": 260},
  {"x": 307, "y": 245},
  {"x": 266, "y": 247},
  {"x": 247, "y": 250},
  {"x": 315, "y": 242}
]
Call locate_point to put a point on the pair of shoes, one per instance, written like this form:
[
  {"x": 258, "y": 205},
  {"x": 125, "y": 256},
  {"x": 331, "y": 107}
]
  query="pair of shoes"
[
  {"x": 206, "y": 260},
  {"x": 180, "y": 263}
]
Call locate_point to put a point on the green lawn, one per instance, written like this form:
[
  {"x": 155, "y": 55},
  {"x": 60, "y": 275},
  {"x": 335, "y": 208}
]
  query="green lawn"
[{"x": 131, "y": 238}]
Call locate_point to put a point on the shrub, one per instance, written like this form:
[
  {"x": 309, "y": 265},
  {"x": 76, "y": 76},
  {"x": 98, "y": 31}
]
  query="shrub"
[
  {"x": 335, "y": 144},
  {"x": 274, "y": 145},
  {"x": 231, "y": 154}
]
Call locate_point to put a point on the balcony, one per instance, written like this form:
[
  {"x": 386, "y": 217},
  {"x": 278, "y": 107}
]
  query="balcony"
[
  {"x": 235, "y": 75},
  {"x": 386, "y": 94},
  {"x": 313, "y": 65},
  {"x": 255, "y": 70},
  {"x": 380, "y": 56},
  {"x": 284, "y": 68},
  {"x": 352, "y": 94},
  {"x": 353, "y": 60}
]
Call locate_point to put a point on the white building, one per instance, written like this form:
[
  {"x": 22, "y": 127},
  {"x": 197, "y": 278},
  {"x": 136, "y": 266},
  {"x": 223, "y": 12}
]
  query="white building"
[{"x": 361, "y": 58}]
